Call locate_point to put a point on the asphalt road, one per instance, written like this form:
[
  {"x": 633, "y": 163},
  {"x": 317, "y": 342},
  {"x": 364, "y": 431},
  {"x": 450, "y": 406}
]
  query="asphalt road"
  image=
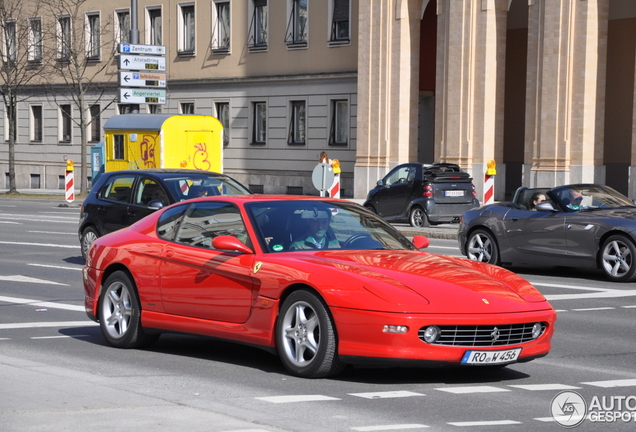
[{"x": 57, "y": 373}]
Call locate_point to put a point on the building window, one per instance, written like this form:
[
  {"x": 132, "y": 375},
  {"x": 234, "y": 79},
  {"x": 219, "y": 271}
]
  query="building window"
[
  {"x": 154, "y": 109},
  {"x": 35, "y": 40},
  {"x": 154, "y": 26},
  {"x": 221, "y": 29},
  {"x": 65, "y": 123},
  {"x": 35, "y": 181},
  {"x": 187, "y": 107},
  {"x": 257, "y": 38},
  {"x": 36, "y": 123},
  {"x": 63, "y": 38},
  {"x": 93, "y": 31},
  {"x": 297, "y": 124},
  {"x": 187, "y": 29},
  {"x": 96, "y": 127},
  {"x": 260, "y": 123},
  {"x": 122, "y": 27},
  {"x": 339, "y": 129},
  {"x": 10, "y": 43},
  {"x": 296, "y": 33},
  {"x": 340, "y": 21},
  {"x": 123, "y": 109},
  {"x": 118, "y": 147},
  {"x": 223, "y": 114}
]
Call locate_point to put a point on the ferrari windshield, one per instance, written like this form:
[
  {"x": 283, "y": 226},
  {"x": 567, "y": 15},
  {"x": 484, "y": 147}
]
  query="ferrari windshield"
[
  {"x": 297, "y": 225},
  {"x": 588, "y": 197}
]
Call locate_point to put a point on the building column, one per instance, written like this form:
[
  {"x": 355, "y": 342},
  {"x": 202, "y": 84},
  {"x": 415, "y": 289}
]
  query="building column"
[
  {"x": 470, "y": 86},
  {"x": 388, "y": 77},
  {"x": 565, "y": 105}
]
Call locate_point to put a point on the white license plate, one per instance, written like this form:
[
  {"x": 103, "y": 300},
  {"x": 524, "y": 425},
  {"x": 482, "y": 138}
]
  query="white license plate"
[
  {"x": 454, "y": 193},
  {"x": 491, "y": 357}
]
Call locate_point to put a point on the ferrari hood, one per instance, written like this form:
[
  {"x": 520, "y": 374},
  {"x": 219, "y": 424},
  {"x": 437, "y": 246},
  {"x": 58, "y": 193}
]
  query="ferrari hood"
[{"x": 448, "y": 284}]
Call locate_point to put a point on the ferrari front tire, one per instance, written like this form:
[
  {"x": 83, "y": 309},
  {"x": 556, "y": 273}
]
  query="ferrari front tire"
[
  {"x": 120, "y": 315},
  {"x": 306, "y": 337},
  {"x": 618, "y": 255},
  {"x": 482, "y": 246}
]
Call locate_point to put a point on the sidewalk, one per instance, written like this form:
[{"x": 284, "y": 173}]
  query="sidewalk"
[{"x": 443, "y": 231}]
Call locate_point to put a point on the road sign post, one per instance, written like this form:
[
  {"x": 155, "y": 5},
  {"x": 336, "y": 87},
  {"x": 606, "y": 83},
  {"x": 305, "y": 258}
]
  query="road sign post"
[{"x": 139, "y": 67}]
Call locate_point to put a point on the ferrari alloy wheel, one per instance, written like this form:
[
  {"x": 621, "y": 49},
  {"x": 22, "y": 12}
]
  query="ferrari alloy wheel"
[
  {"x": 482, "y": 246},
  {"x": 418, "y": 218},
  {"x": 119, "y": 313},
  {"x": 617, "y": 258},
  {"x": 88, "y": 237},
  {"x": 306, "y": 337}
]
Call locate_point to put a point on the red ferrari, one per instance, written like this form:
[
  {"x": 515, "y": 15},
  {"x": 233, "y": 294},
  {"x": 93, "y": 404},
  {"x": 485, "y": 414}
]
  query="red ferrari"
[{"x": 323, "y": 282}]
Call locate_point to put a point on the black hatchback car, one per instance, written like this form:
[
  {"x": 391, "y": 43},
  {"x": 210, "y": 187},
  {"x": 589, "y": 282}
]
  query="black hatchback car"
[
  {"x": 120, "y": 198},
  {"x": 423, "y": 194}
]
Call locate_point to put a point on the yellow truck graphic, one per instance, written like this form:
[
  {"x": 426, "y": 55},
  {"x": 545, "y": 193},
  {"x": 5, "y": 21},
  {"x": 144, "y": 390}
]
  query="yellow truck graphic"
[{"x": 163, "y": 141}]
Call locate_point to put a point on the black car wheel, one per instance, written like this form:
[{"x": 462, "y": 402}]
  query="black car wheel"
[
  {"x": 89, "y": 235},
  {"x": 617, "y": 258},
  {"x": 418, "y": 218},
  {"x": 306, "y": 337},
  {"x": 120, "y": 315},
  {"x": 482, "y": 246},
  {"x": 370, "y": 208}
]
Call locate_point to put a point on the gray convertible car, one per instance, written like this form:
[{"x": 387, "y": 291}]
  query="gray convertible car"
[{"x": 579, "y": 225}]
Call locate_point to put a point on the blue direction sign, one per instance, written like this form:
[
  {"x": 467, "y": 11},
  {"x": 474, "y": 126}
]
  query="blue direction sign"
[
  {"x": 139, "y": 62},
  {"x": 142, "y": 49},
  {"x": 139, "y": 96}
]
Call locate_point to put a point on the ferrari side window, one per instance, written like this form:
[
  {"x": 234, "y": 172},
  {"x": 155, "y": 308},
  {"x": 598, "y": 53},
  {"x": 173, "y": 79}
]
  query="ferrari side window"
[
  {"x": 169, "y": 222},
  {"x": 205, "y": 220}
]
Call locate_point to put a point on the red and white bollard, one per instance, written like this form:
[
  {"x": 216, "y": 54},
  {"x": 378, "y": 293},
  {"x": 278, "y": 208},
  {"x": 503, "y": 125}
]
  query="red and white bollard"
[
  {"x": 334, "y": 191},
  {"x": 69, "y": 182},
  {"x": 489, "y": 189}
]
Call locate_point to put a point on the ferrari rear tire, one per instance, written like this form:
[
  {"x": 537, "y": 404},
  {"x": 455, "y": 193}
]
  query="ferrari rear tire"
[
  {"x": 306, "y": 336},
  {"x": 89, "y": 235},
  {"x": 482, "y": 246},
  {"x": 418, "y": 218},
  {"x": 618, "y": 258},
  {"x": 120, "y": 315}
]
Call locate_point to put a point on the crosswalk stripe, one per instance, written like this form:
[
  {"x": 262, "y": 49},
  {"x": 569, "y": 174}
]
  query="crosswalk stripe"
[
  {"x": 296, "y": 398},
  {"x": 473, "y": 389},
  {"x": 612, "y": 383},
  {"x": 386, "y": 395}
]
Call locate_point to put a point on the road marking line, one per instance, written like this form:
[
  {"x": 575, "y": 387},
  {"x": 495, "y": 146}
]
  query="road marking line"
[
  {"x": 12, "y": 326},
  {"x": 606, "y": 294},
  {"x": 474, "y": 389},
  {"x": 573, "y": 287},
  {"x": 387, "y": 394},
  {"x": 389, "y": 427},
  {"x": 58, "y": 337},
  {"x": 545, "y": 419},
  {"x": 534, "y": 387},
  {"x": 41, "y": 244},
  {"x": 20, "y": 278},
  {"x": 1, "y": 339},
  {"x": 296, "y": 398},
  {"x": 594, "y": 309},
  {"x": 612, "y": 383},
  {"x": 40, "y": 303},
  {"x": 51, "y": 232},
  {"x": 629, "y": 307},
  {"x": 485, "y": 423},
  {"x": 55, "y": 267},
  {"x": 12, "y": 223}
]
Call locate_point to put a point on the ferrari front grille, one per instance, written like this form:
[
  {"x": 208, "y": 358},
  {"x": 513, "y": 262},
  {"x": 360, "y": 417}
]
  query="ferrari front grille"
[{"x": 483, "y": 335}]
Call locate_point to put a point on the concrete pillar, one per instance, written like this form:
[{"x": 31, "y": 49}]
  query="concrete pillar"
[
  {"x": 567, "y": 49},
  {"x": 470, "y": 85},
  {"x": 388, "y": 77}
]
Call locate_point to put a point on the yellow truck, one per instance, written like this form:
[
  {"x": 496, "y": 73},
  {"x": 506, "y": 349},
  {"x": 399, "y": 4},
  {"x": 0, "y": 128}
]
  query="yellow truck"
[{"x": 135, "y": 141}]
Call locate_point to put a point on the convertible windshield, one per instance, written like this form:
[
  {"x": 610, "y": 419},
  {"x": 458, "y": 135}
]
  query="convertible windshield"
[
  {"x": 589, "y": 197},
  {"x": 297, "y": 225}
]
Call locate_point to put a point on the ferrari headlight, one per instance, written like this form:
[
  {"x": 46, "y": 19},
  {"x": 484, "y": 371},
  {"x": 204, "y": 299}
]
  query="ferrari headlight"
[
  {"x": 537, "y": 329},
  {"x": 431, "y": 333}
]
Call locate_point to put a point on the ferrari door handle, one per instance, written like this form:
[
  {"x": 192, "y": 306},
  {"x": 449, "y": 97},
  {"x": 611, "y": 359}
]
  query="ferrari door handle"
[{"x": 169, "y": 253}]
